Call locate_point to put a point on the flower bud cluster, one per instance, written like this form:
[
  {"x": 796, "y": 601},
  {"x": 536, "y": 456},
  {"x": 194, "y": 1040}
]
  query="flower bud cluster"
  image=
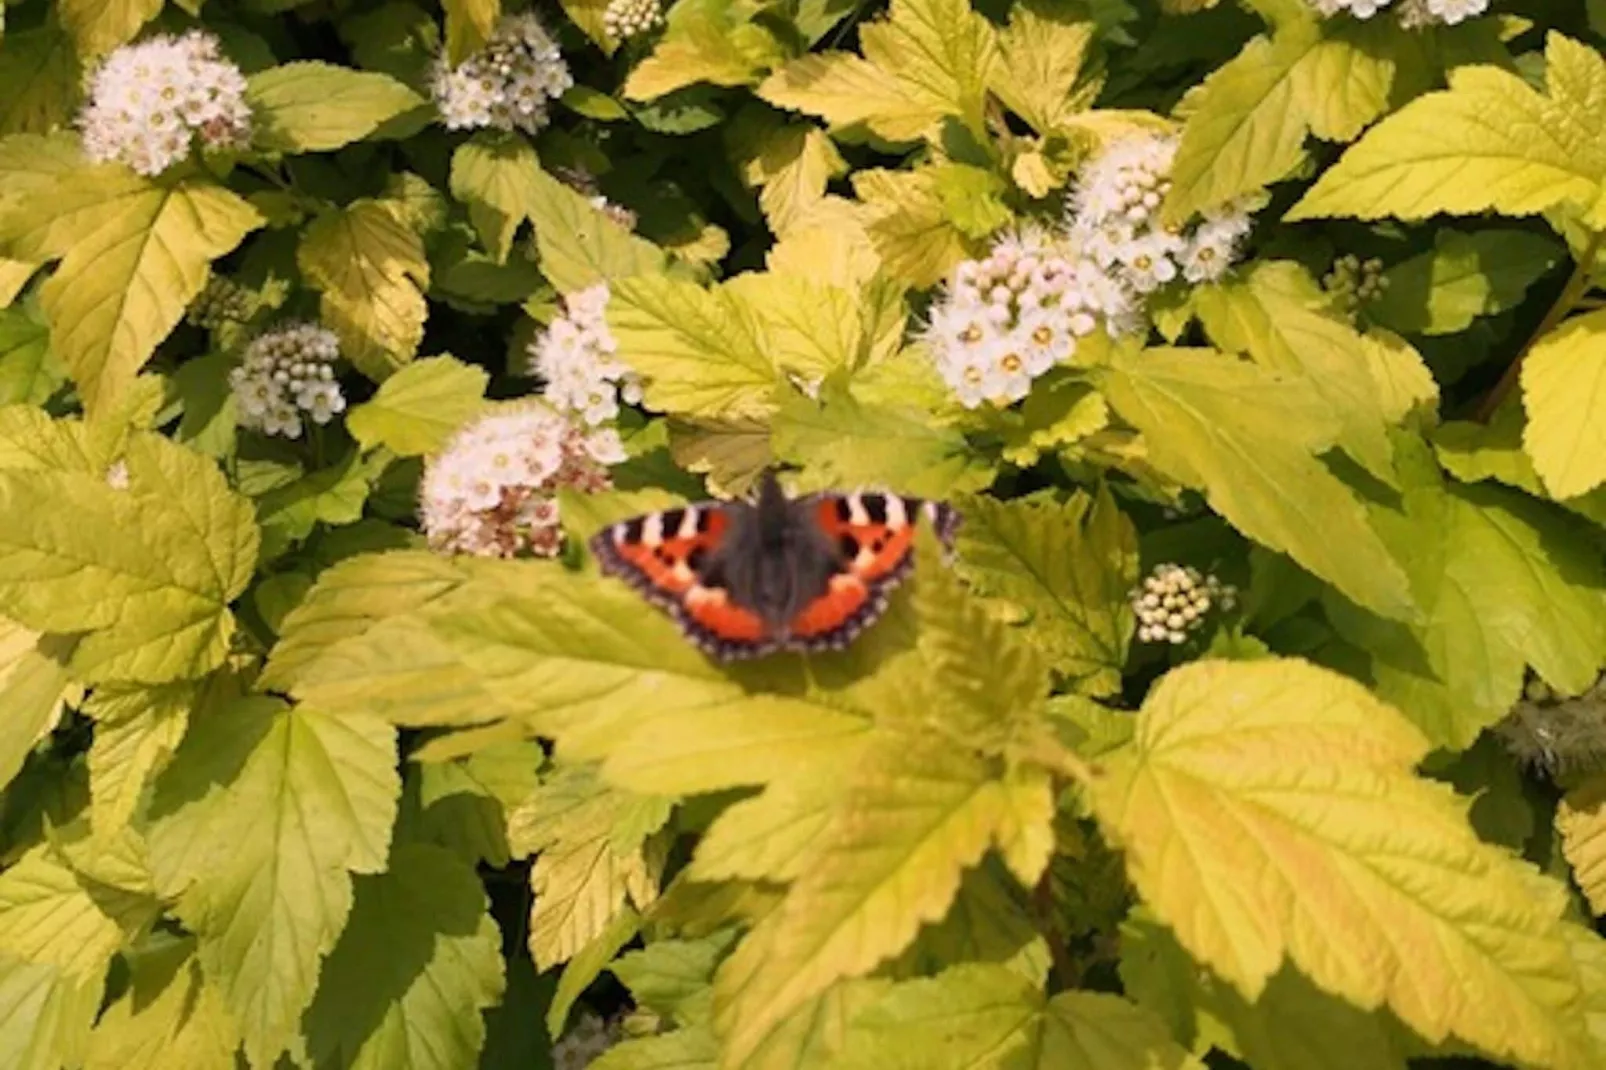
[
  {"x": 508, "y": 83},
  {"x": 1173, "y": 602},
  {"x": 1115, "y": 219},
  {"x": 1007, "y": 318},
  {"x": 491, "y": 491},
  {"x": 286, "y": 373},
  {"x": 579, "y": 360},
  {"x": 150, "y": 101},
  {"x": 624, "y": 19},
  {"x": 1554, "y": 734},
  {"x": 221, "y": 301},
  {"x": 1354, "y": 282},
  {"x": 1413, "y": 14}
]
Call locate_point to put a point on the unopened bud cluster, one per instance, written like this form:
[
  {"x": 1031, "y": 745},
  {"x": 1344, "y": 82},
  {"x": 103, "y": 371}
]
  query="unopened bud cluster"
[
  {"x": 1115, "y": 219},
  {"x": 1555, "y": 734},
  {"x": 508, "y": 84},
  {"x": 221, "y": 301},
  {"x": 150, "y": 102},
  {"x": 579, "y": 361},
  {"x": 1173, "y": 602},
  {"x": 1353, "y": 282},
  {"x": 624, "y": 19},
  {"x": 285, "y": 374},
  {"x": 1413, "y": 14},
  {"x": 491, "y": 491},
  {"x": 1009, "y": 317}
]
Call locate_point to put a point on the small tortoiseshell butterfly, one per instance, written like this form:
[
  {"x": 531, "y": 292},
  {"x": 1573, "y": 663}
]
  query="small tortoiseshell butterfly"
[{"x": 747, "y": 579}]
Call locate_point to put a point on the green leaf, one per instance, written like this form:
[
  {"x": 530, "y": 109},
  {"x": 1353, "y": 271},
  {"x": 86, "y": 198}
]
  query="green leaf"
[
  {"x": 464, "y": 803},
  {"x": 334, "y": 496},
  {"x": 701, "y": 351},
  {"x": 155, "y": 599},
  {"x": 791, "y": 163},
  {"x": 1249, "y": 121},
  {"x": 1564, "y": 393},
  {"x": 1463, "y": 277},
  {"x": 1281, "y": 769},
  {"x": 1067, "y": 572},
  {"x": 416, "y": 965},
  {"x": 133, "y": 252},
  {"x": 1474, "y": 452},
  {"x": 1247, "y": 438},
  {"x": 983, "y": 1015},
  {"x": 674, "y": 978},
  {"x": 1039, "y": 75},
  {"x": 98, "y": 26},
  {"x": 587, "y": 965},
  {"x": 320, "y": 107},
  {"x": 580, "y": 246},
  {"x": 39, "y": 76},
  {"x": 168, "y": 1016},
  {"x": 499, "y": 179},
  {"x": 255, "y": 827},
  {"x": 372, "y": 270},
  {"x": 137, "y": 729},
  {"x": 844, "y": 443},
  {"x": 1502, "y": 582},
  {"x": 419, "y": 407},
  {"x": 1489, "y": 142},
  {"x": 922, "y": 813},
  {"x": 469, "y": 24},
  {"x": 1277, "y": 315},
  {"x": 684, "y": 1049}
]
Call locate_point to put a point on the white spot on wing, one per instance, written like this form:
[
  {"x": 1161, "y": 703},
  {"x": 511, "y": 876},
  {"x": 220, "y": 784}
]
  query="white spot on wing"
[
  {"x": 652, "y": 531},
  {"x": 897, "y": 515},
  {"x": 688, "y": 523},
  {"x": 856, "y": 512}
]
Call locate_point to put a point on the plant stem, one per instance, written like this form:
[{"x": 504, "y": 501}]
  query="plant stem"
[{"x": 1577, "y": 286}]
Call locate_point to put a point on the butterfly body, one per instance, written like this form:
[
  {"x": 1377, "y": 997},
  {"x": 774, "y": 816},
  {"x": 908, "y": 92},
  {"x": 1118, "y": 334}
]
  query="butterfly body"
[{"x": 745, "y": 579}]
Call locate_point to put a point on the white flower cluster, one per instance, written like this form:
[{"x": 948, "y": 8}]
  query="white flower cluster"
[
  {"x": 1115, "y": 219},
  {"x": 624, "y": 19},
  {"x": 508, "y": 83},
  {"x": 149, "y": 101},
  {"x": 1353, "y": 282},
  {"x": 1004, "y": 320},
  {"x": 221, "y": 301},
  {"x": 578, "y": 358},
  {"x": 286, "y": 372},
  {"x": 1413, "y": 14},
  {"x": 490, "y": 491},
  {"x": 1173, "y": 601}
]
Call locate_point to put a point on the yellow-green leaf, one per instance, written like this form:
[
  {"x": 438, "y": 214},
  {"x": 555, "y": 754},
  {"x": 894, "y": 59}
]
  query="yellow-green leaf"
[
  {"x": 167, "y": 1017},
  {"x": 419, "y": 407},
  {"x": 1564, "y": 392},
  {"x": 581, "y": 246},
  {"x": 700, "y": 351},
  {"x": 98, "y": 26},
  {"x": 917, "y": 814},
  {"x": 1277, "y": 315},
  {"x": 256, "y": 827},
  {"x": 372, "y": 270},
  {"x": 318, "y": 107},
  {"x": 791, "y": 164},
  {"x": 1248, "y": 439},
  {"x": 33, "y": 680},
  {"x": 909, "y": 226},
  {"x": 49, "y": 915},
  {"x": 1464, "y": 276},
  {"x": 1249, "y": 120},
  {"x": 941, "y": 52},
  {"x": 1066, "y": 570},
  {"x": 155, "y": 599},
  {"x": 499, "y": 178},
  {"x": 1489, "y": 142},
  {"x": 1581, "y": 820},
  {"x": 1299, "y": 776},
  {"x": 137, "y": 729},
  {"x": 133, "y": 253},
  {"x": 418, "y": 963},
  {"x": 38, "y": 79},
  {"x": 714, "y": 41},
  {"x": 1041, "y": 55},
  {"x": 469, "y": 24}
]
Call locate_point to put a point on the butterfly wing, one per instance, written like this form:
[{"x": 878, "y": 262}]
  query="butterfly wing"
[
  {"x": 665, "y": 556},
  {"x": 874, "y": 539}
]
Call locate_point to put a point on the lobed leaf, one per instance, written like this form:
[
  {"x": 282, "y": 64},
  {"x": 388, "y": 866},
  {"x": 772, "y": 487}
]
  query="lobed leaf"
[
  {"x": 416, "y": 410},
  {"x": 318, "y": 107},
  {"x": 1564, "y": 393}
]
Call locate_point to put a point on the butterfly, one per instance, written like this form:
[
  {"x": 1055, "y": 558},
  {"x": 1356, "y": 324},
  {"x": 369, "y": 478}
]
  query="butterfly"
[{"x": 744, "y": 579}]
